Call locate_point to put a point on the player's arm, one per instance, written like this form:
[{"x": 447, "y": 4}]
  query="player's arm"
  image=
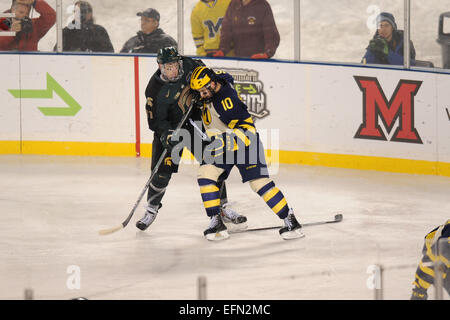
[
  {"x": 157, "y": 115},
  {"x": 236, "y": 117}
]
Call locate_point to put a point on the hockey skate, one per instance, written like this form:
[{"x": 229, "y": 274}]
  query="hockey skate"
[
  {"x": 147, "y": 219},
  {"x": 233, "y": 220},
  {"x": 217, "y": 230},
  {"x": 292, "y": 229}
]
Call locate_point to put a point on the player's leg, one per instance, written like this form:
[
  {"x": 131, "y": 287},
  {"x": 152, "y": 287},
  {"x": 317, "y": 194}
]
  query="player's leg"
[
  {"x": 256, "y": 172},
  {"x": 230, "y": 217},
  {"x": 158, "y": 185},
  {"x": 423, "y": 279},
  {"x": 276, "y": 201},
  {"x": 208, "y": 176}
]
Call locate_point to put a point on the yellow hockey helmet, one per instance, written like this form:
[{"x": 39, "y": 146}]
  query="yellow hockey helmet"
[{"x": 201, "y": 77}]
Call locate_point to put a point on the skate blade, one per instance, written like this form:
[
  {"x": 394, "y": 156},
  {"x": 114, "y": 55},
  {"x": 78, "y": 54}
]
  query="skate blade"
[
  {"x": 294, "y": 234},
  {"x": 218, "y": 236},
  {"x": 232, "y": 227}
]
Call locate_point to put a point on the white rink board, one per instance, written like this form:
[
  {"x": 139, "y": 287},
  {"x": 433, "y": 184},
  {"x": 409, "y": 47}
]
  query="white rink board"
[
  {"x": 319, "y": 108},
  {"x": 9, "y": 107},
  {"x": 443, "y": 117},
  {"x": 102, "y": 86},
  {"x": 316, "y": 108}
]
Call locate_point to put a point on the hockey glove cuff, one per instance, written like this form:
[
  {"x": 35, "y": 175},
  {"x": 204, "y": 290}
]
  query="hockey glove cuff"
[
  {"x": 220, "y": 145},
  {"x": 166, "y": 140},
  {"x": 260, "y": 56},
  {"x": 219, "y": 53}
]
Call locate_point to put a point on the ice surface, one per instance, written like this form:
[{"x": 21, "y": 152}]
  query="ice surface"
[{"x": 52, "y": 208}]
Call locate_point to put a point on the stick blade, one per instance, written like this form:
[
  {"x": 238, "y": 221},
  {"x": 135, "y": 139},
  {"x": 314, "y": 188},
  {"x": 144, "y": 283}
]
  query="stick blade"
[
  {"x": 109, "y": 231},
  {"x": 338, "y": 217}
]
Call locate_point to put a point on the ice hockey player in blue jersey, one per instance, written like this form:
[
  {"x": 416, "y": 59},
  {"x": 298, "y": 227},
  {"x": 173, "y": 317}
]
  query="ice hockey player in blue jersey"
[
  {"x": 436, "y": 248},
  {"x": 235, "y": 142}
]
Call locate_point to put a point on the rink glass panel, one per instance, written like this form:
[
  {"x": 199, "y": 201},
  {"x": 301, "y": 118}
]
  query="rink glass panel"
[
  {"x": 120, "y": 18},
  {"x": 331, "y": 31},
  {"x": 47, "y": 42},
  {"x": 424, "y": 30},
  {"x": 340, "y": 31},
  {"x": 117, "y": 17},
  {"x": 283, "y": 12}
]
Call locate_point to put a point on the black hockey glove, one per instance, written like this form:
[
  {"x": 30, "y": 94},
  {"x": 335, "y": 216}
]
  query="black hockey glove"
[
  {"x": 220, "y": 146},
  {"x": 419, "y": 294},
  {"x": 196, "y": 100},
  {"x": 166, "y": 140}
]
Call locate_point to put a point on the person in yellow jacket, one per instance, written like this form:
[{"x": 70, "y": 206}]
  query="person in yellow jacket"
[{"x": 206, "y": 23}]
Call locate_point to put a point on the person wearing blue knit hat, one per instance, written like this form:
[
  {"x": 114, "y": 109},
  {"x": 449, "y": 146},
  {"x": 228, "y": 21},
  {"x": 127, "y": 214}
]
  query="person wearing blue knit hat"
[{"x": 386, "y": 46}]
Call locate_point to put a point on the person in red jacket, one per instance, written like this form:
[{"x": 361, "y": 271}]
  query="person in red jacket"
[
  {"x": 249, "y": 28},
  {"x": 28, "y": 31}
]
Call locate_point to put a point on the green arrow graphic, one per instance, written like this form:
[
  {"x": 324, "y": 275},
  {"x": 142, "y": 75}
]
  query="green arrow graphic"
[{"x": 52, "y": 86}]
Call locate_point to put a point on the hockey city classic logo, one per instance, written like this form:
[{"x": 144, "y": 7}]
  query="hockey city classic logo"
[
  {"x": 250, "y": 89},
  {"x": 377, "y": 111}
]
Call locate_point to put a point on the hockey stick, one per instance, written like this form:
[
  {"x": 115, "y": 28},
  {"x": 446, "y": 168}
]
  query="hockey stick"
[
  {"x": 337, "y": 218},
  {"x": 147, "y": 185}
]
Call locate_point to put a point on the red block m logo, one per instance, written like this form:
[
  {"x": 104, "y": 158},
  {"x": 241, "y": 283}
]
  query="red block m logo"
[{"x": 400, "y": 106}]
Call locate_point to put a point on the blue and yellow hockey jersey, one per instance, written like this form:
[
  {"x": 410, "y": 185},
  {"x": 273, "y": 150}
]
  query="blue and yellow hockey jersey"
[
  {"x": 226, "y": 112},
  {"x": 436, "y": 248}
]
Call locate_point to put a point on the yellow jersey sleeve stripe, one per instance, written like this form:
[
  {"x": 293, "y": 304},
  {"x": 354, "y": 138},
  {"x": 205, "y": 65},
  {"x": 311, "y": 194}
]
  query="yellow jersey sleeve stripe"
[
  {"x": 426, "y": 270},
  {"x": 428, "y": 243},
  {"x": 423, "y": 283},
  {"x": 232, "y": 124},
  {"x": 242, "y": 136},
  {"x": 248, "y": 127},
  {"x": 249, "y": 120}
]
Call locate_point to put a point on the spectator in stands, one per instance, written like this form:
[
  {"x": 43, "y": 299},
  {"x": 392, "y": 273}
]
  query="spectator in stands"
[
  {"x": 28, "y": 30},
  {"x": 386, "y": 47},
  {"x": 82, "y": 34},
  {"x": 249, "y": 28},
  {"x": 206, "y": 23},
  {"x": 151, "y": 38}
]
